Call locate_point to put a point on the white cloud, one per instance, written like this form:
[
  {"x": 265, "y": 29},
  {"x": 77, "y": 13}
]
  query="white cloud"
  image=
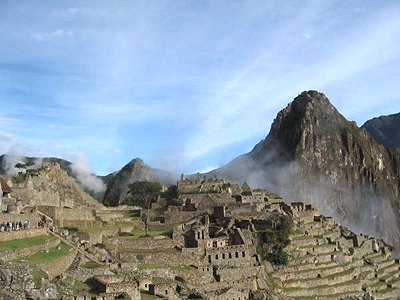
[
  {"x": 41, "y": 36},
  {"x": 7, "y": 136},
  {"x": 85, "y": 175}
]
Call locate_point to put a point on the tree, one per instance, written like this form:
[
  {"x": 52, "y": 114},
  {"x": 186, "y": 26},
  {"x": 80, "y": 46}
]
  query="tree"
[
  {"x": 143, "y": 194},
  {"x": 279, "y": 256}
]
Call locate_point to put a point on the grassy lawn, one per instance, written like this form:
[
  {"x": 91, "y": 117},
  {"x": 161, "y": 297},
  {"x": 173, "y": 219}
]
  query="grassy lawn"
[
  {"x": 106, "y": 246},
  {"x": 92, "y": 265},
  {"x": 147, "y": 296},
  {"x": 25, "y": 243},
  {"x": 172, "y": 268},
  {"x": 37, "y": 276},
  {"x": 43, "y": 257},
  {"x": 96, "y": 229},
  {"x": 79, "y": 287},
  {"x": 138, "y": 233},
  {"x": 144, "y": 251}
]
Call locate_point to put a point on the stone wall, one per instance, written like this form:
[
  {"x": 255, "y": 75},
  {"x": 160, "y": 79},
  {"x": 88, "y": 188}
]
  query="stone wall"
[
  {"x": 59, "y": 266},
  {"x": 65, "y": 217},
  {"x": 18, "y": 253},
  {"x": 200, "y": 276},
  {"x": 178, "y": 217},
  {"x": 33, "y": 217},
  {"x": 22, "y": 234},
  {"x": 229, "y": 274}
]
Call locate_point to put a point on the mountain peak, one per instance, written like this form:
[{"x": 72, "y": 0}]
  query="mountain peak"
[{"x": 313, "y": 154}]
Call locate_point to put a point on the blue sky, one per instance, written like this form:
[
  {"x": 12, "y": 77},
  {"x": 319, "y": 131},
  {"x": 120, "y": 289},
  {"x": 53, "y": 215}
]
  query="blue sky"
[{"x": 185, "y": 85}]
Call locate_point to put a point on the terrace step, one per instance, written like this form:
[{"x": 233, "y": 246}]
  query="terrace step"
[
  {"x": 308, "y": 267},
  {"x": 395, "y": 283},
  {"x": 376, "y": 286},
  {"x": 352, "y": 286},
  {"x": 333, "y": 279},
  {"x": 386, "y": 277},
  {"x": 390, "y": 268},
  {"x": 386, "y": 263},
  {"x": 388, "y": 294}
]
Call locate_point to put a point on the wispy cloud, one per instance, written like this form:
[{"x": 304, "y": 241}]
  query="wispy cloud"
[
  {"x": 245, "y": 102},
  {"x": 180, "y": 83},
  {"x": 41, "y": 36}
]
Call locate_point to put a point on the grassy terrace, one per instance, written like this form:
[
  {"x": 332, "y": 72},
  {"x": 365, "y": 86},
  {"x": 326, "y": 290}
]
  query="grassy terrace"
[
  {"x": 353, "y": 281},
  {"x": 96, "y": 229},
  {"x": 172, "y": 268},
  {"x": 147, "y": 296},
  {"x": 332, "y": 276},
  {"x": 25, "y": 243},
  {"x": 138, "y": 233},
  {"x": 130, "y": 250},
  {"x": 92, "y": 265},
  {"x": 53, "y": 254}
]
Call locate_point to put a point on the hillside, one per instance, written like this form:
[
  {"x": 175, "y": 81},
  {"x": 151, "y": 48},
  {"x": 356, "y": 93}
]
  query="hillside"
[
  {"x": 135, "y": 170},
  {"x": 51, "y": 185},
  {"x": 385, "y": 130},
  {"x": 7, "y": 163}
]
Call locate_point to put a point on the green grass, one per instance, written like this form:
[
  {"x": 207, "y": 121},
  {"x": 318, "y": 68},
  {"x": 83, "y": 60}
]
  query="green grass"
[
  {"x": 25, "y": 243},
  {"x": 160, "y": 266},
  {"x": 144, "y": 251},
  {"x": 79, "y": 287},
  {"x": 43, "y": 257},
  {"x": 92, "y": 265},
  {"x": 96, "y": 229},
  {"x": 106, "y": 246},
  {"x": 147, "y": 296},
  {"x": 37, "y": 276},
  {"x": 138, "y": 233}
]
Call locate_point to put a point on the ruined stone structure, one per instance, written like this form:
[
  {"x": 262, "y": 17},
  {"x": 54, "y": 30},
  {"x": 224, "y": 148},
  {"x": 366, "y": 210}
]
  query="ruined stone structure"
[{"x": 208, "y": 248}]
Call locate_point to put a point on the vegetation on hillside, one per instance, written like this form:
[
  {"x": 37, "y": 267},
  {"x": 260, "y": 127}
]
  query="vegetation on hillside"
[
  {"x": 271, "y": 242},
  {"x": 143, "y": 194}
]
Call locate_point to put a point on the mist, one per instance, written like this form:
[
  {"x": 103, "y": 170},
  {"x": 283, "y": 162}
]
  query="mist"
[
  {"x": 362, "y": 210},
  {"x": 83, "y": 171},
  {"x": 13, "y": 156}
]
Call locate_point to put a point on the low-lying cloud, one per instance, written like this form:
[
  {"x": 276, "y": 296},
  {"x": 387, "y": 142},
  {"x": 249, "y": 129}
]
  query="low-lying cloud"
[{"x": 83, "y": 171}]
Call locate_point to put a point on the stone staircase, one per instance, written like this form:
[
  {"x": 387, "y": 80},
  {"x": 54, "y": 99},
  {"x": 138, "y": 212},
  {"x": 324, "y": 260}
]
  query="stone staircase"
[{"x": 320, "y": 268}]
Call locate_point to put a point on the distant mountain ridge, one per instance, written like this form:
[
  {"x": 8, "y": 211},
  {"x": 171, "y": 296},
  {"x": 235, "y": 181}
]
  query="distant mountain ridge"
[
  {"x": 135, "y": 170},
  {"x": 385, "y": 130},
  {"x": 313, "y": 154}
]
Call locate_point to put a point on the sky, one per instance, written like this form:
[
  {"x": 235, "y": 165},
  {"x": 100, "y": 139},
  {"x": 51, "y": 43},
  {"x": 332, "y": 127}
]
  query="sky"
[{"x": 185, "y": 85}]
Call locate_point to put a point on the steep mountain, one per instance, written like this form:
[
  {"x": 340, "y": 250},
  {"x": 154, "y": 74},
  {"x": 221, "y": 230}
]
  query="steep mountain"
[
  {"x": 314, "y": 155},
  {"x": 385, "y": 130},
  {"x": 7, "y": 163},
  {"x": 135, "y": 170}
]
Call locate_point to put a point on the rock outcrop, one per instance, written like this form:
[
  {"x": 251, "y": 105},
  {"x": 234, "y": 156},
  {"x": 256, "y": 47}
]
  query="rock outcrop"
[
  {"x": 135, "y": 170},
  {"x": 7, "y": 163},
  {"x": 313, "y": 154},
  {"x": 385, "y": 130},
  {"x": 50, "y": 185}
]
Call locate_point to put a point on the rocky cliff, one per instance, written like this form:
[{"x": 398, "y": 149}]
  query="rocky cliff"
[
  {"x": 385, "y": 130},
  {"x": 313, "y": 154},
  {"x": 51, "y": 185},
  {"x": 7, "y": 163},
  {"x": 135, "y": 170}
]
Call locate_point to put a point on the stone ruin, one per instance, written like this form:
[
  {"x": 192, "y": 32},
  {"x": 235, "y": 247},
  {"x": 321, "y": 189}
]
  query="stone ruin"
[{"x": 210, "y": 251}]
